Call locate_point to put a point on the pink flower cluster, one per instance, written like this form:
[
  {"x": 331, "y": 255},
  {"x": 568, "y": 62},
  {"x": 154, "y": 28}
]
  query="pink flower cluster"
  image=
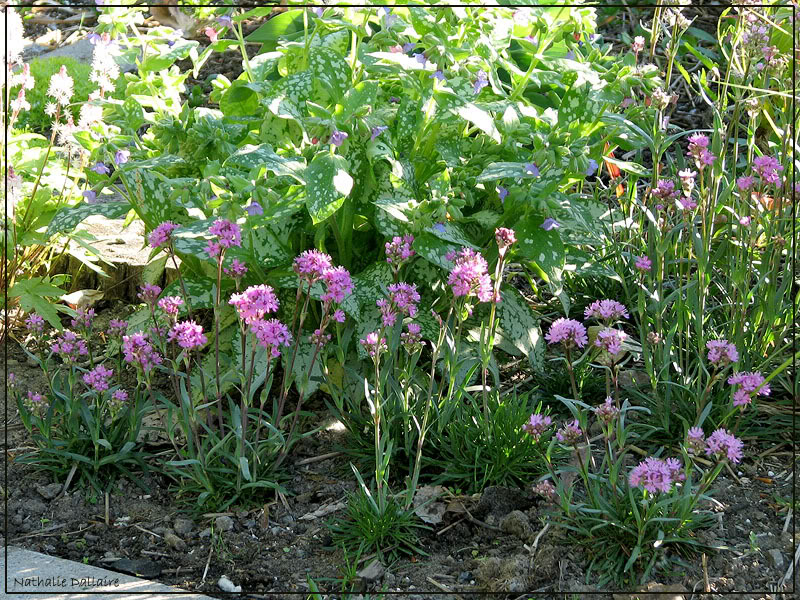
[
  {"x": 399, "y": 251},
  {"x": 237, "y": 269},
  {"x": 373, "y": 345},
  {"x": 149, "y": 294},
  {"x": 255, "y": 302},
  {"x": 470, "y": 275},
  {"x": 767, "y": 167},
  {"x": 35, "y": 404},
  {"x": 606, "y": 310},
  {"x": 34, "y": 324},
  {"x": 97, "y": 378},
  {"x": 69, "y": 346},
  {"x": 610, "y": 340},
  {"x": 568, "y": 331},
  {"x": 607, "y": 411},
  {"x": 412, "y": 339},
  {"x": 656, "y": 475},
  {"x": 643, "y": 263},
  {"x": 83, "y": 319},
  {"x": 171, "y": 305},
  {"x": 504, "y": 238},
  {"x": 570, "y": 434},
  {"x": 311, "y": 264},
  {"x": 721, "y": 444},
  {"x": 228, "y": 234},
  {"x": 546, "y": 490},
  {"x": 402, "y": 297},
  {"x": 117, "y": 327},
  {"x": 750, "y": 385},
  {"x": 188, "y": 334},
  {"x": 137, "y": 349},
  {"x": 537, "y": 426},
  {"x": 698, "y": 149},
  {"x": 118, "y": 400},
  {"x": 271, "y": 334},
  {"x": 338, "y": 284},
  {"x": 162, "y": 234},
  {"x": 721, "y": 353}
]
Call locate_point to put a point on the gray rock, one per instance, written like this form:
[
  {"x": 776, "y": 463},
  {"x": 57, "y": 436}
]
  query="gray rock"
[
  {"x": 35, "y": 506},
  {"x": 138, "y": 567},
  {"x": 91, "y": 538},
  {"x": 183, "y": 526},
  {"x": 516, "y": 523},
  {"x": 249, "y": 523},
  {"x": 16, "y": 519},
  {"x": 775, "y": 558},
  {"x": 223, "y": 523},
  {"x": 389, "y": 579},
  {"x": 174, "y": 542},
  {"x": 464, "y": 576},
  {"x": 373, "y": 572},
  {"x": 205, "y": 533}
]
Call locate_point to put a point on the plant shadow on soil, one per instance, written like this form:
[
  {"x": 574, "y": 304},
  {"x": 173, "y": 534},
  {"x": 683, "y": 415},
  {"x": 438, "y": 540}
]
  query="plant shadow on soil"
[{"x": 271, "y": 549}]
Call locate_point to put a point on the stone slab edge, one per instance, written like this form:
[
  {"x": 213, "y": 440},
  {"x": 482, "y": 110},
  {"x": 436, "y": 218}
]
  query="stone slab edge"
[{"x": 32, "y": 573}]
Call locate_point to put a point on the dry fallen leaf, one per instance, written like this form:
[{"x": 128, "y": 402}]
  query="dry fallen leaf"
[{"x": 424, "y": 505}]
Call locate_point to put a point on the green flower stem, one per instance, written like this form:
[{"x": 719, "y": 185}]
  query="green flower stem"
[
  {"x": 256, "y": 462},
  {"x": 245, "y": 59},
  {"x": 296, "y": 333},
  {"x": 216, "y": 338}
]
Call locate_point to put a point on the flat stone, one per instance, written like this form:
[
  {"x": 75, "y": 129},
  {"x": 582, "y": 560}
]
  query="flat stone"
[
  {"x": 173, "y": 541},
  {"x": 223, "y": 523},
  {"x": 776, "y": 558},
  {"x": 140, "y": 566},
  {"x": 183, "y": 526},
  {"x": 372, "y": 572},
  {"x": 48, "y": 492},
  {"x": 32, "y": 572}
]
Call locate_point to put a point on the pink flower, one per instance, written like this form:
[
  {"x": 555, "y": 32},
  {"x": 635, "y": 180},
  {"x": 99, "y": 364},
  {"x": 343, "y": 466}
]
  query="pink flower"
[
  {"x": 695, "y": 440},
  {"x": 255, "y": 302},
  {"x": 117, "y": 327},
  {"x": 610, "y": 340},
  {"x": 606, "y": 412},
  {"x": 228, "y": 233},
  {"x": 97, "y": 378},
  {"x": 399, "y": 250},
  {"x": 339, "y": 316},
  {"x": 751, "y": 384},
  {"x": 405, "y": 297},
  {"x": 162, "y": 234},
  {"x": 643, "y": 263},
  {"x": 412, "y": 340},
  {"x": 34, "y": 324},
  {"x": 311, "y": 264},
  {"x": 745, "y": 183},
  {"x": 237, "y": 269},
  {"x": 568, "y": 331},
  {"x": 721, "y": 353},
  {"x": 470, "y": 276},
  {"x": 537, "y": 426},
  {"x": 138, "y": 350},
  {"x": 149, "y": 294},
  {"x": 83, "y": 319},
  {"x": 211, "y": 33},
  {"x": 505, "y": 238},
  {"x": 570, "y": 433},
  {"x": 271, "y": 334},
  {"x": 722, "y": 444},
  {"x": 372, "y": 345},
  {"x": 338, "y": 284},
  {"x": 319, "y": 337},
  {"x": 170, "y": 305},
  {"x": 188, "y": 334},
  {"x": 35, "y": 404},
  {"x": 69, "y": 346},
  {"x": 607, "y": 310},
  {"x": 653, "y": 474}
]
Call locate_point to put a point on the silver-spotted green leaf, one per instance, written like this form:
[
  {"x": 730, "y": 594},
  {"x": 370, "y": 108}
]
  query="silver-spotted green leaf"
[
  {"x": 480, "y": 118},
  {"x": 167, "y": 55},
  {"x": 67, "y": 218},
  {"x": 150, "y": 195},
  {"x": 370, "y": 285},
  {"x": 407, "y": 63},
  {"x": 338, "y": 41},
  {"x": 433, "y": 249},
  {"x": 359, "y": 97},
  {"x": 405, "y": 126},
  {"x": 450, "y": 151},
  {"x": 263, "y": 155},
  {"x": 452, "y": 232},
  {"x": 328, "y": 185},
  {"x": 297, "y": 87},
  {"x": 505, "y": 170},
  {"x": 520, "y": 325},
  {"x": 331, "y": 70},
  {"x": 159, "y": 161},
  {"x": 545, "y": 248},
  {"x": 200, "y": 290},
  {"x": 266, "y": 248}
]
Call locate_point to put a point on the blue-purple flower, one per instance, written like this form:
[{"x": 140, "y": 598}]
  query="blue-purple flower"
[
  {"x": 122, "y": 156},
  {"x": 502, "y": 193},
  {"x": 101, "y": 169},
  {"x": 376, "y": 131},
  {"x": 592, "y": 168},
  {"x": 254, "y": 208},
  {"x": 90, "y": 195},
  {"x": 549, "y": 224},
  {"x": 481, "y": 82},
  {"x": 338, "y": 137},
  {"x": 421, "y": 59},
  {"x": 531, "y": 169},
  {"x": 225, "y": 21},
  {"x": 438, "y": 74}
]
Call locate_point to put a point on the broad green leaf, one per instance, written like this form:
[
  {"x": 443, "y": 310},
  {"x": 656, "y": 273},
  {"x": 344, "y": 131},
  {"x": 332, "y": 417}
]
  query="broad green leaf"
[
  {"x": 149, "y": 192},
  {"x": 505, "y": 170},
  {"x": 433, "y": 249},
  {"x": 285, "y": 26},
  {"x": 200, "y": 290},
  {"x": 34, "y": 294},
  {"x": 67, "y": 218},
  {"x": 168, "y": 55},
  {"x": 328, "y": 185},
  {"x": 359, "y": 97},
  {"x": 302, "y": 362},
  {"x": 480, "y": 118},
  {"x": 452, "y": 232},
  {"x": 370, "y": 285},
  {"x": 263, "y": 155},
  {"x": 239, "y": 100},
  {"x": 331, "y": 70},
  {"x": 520, "y": 325},
  {"x": 545, "y": 248}
]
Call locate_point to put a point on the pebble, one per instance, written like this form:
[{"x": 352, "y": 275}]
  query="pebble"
[
  {"x": 776, "y": 558},
  {"x": 464, "y": 576},
  {"x": 372, "y": 572},
  {"x": 771, "y": 473},
  {"x": 91, "y": 538},
  {"x": 223, "y": 523},
  {"x": 48, "y": 492},
  {"x": 389, "y": 579},
  {"x": 249, "y": 523},
  {"x": 35, "y": 506},
  {"x": 16, "y": 519},
  {"x": 205, "y": 533},
  {"x": 226, "y": 585},
  {"x": 182, "y": 526},
  {"x": 173, "y": 541}
]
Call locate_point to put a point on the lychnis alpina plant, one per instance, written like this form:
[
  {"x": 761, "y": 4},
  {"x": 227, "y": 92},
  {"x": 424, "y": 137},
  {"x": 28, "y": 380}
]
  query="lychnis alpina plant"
[
  {"x": 86, "y": 421},
  {"x": 626, "y": 516}
]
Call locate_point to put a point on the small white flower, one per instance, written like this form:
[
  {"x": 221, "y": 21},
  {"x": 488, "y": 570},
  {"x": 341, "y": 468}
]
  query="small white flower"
[{"x": 61, "y": 86}]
